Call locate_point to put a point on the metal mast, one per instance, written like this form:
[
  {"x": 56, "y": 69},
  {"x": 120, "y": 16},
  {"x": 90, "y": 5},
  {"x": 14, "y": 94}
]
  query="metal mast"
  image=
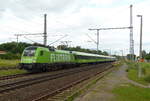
[
  {"x": 141, "y": 25},
  {"x": 131, "y": 35},
  {"x": 98, "y": 29},
  {"x": 97, "y": 38},
  {"x": 45, "y": 30}
]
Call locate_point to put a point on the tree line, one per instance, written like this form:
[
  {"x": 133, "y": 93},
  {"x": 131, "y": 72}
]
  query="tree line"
[
  {"x": 14, "y": 49},
  {"x": 78, "y": 48},
  {"x": 145, "y": 55}
]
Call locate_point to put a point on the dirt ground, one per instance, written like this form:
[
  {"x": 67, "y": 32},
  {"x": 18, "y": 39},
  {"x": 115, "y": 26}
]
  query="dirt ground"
[{"x": 101, "y": 91}]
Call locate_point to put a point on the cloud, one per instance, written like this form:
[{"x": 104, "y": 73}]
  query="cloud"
[
  {"x": 26, "y": 8},
  {"x": 103, "y": 2},
  {"x": 29, "y": 9},
  {"x": 75, "y": 17}
]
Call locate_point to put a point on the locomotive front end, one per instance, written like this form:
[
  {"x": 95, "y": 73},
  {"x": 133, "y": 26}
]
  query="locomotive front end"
[{"x": 28, "y": 59}]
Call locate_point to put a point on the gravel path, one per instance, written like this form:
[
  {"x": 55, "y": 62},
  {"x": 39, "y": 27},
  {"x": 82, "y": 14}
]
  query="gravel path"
[
  {"x": 101, "y": 91},
  {"x": 138, "y": 84}
]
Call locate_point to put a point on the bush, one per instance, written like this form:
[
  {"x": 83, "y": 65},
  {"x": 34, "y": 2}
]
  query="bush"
[
  {"x": 127, "y": 70},
  {"x": 147, "y": 78},
  {"x": 10, "y": 56},
  {"x": 143, "y": 71}
]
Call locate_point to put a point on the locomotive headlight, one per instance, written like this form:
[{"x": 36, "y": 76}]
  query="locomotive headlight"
[
  {"x": 21, "y": 60},
  {"x": 34, "y": 60}
]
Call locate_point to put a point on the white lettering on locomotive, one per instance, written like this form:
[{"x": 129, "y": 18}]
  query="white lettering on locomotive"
[{"x": 60, "y": 57}]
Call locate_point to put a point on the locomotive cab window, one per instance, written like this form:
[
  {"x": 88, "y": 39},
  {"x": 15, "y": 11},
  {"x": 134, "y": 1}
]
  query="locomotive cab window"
[
  {"x": 30, "y": 51},
  {"x": 41, "y": 53}
]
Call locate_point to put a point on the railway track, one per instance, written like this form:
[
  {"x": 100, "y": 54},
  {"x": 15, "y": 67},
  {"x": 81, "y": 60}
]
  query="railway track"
[
  {"x": 64, "y": 93},
  {"x": 48, "y": 93},
  {"x": 13, "y": 76},
  {"x": 23, "y": 83},
  {"x": 7, "y": 68},
  {"x": 11, "y": 89},
  {"x": 18, "y": 75}
]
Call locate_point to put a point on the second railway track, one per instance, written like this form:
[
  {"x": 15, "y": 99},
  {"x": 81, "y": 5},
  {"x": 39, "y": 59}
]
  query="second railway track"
[
  {"x": 24, "y": 83},
  {"x": 6, "y": 88},
  {"x": 13, "y": 76},
  {"x": 50, "y": 95}
]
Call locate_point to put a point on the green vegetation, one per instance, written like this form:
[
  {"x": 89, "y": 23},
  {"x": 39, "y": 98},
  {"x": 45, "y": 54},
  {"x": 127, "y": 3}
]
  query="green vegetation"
[
  {"x": 14, "y": 50},
  {"x": 11, "y": 72},
  {"x": 10, "y": 55},
  {"x": 128, "y": 92},
  {"x": 130, "y": 56},
  {"x": 8, "y": 63},
  {"x": 78, "y": 48},
  {"x": 14, "y": 47},
  {"x": 118, "y": 63},
  {"x": 84, "y": 89},
  {"x": 133, "y": 72},
  {"x": 145, "y": 56},
  {"x": 81, "y": 91}
]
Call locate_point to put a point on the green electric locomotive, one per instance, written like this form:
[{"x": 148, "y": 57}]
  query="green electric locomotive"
[{"x": 35, "y": 58}]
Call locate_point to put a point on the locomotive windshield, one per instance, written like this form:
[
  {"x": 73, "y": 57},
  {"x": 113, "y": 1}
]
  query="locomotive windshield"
[{"x": 30, "y": 51}]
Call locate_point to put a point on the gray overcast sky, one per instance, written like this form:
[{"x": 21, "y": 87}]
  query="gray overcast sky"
[{"x": 74, "y": 18}]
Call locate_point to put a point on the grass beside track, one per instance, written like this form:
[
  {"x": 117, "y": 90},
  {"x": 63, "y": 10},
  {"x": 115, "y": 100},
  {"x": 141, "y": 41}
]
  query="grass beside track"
[
  {"x": 8, "y": 63},
  {"x": 81, "y": 91},
  {"x": 87, "y": 86},
  {"x": 118, "y": 63},
  {"x": 128, "y": 92},
  {"x": 133, "y": 72},
  {"x": 11, "y": 72}
]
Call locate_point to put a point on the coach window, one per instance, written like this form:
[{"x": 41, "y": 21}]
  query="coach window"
[{"x": 41, "y": 53}]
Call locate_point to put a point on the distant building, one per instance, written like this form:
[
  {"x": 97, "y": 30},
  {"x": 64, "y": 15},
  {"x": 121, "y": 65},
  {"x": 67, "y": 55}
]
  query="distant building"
[{"x": 3, "y": 52}]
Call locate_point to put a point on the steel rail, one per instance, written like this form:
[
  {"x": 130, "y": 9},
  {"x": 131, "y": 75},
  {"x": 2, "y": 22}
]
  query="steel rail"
[
  {"x": 28, "y": 82},
  {"x": 48, "y": 93},
  {"x": 12, "y": 76}
]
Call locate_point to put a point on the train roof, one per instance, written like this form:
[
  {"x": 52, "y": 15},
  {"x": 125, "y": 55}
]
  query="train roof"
[
  {"x": 83, "y": 53},
  {"x": 89, "y": 54},
  {"x": 73, "y": 52},
  {"x": 62, "y": 51}
]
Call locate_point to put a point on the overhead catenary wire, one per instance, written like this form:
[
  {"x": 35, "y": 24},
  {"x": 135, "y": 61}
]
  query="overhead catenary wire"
[
  {"x": 98, "y": 29},
  {"x": 44, "y": 34},
  {"x": 92, "y": 39},
  {"x": 31, "y": 40},
  {"x": 17, "y": 35},
  {"x": 58, "y": 40}
]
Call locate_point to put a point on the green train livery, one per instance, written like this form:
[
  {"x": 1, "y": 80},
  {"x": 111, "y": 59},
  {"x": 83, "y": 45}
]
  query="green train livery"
[{"x": 35, "y": 58}]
